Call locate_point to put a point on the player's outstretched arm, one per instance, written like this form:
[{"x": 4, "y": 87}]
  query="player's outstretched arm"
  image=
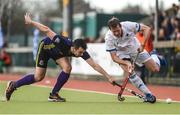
[
  {"x": 99, "y": 69},
  {"x": 40, "y": 26}
]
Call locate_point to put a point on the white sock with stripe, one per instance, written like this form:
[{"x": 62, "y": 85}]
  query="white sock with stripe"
[{"x": 136, "y": 81}]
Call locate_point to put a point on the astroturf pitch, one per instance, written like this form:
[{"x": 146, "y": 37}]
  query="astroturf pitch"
[{"x": 33, "y": 100}]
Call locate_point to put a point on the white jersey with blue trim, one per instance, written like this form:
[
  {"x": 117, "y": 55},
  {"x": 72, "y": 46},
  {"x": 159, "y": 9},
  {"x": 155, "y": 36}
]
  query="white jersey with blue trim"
[{"x": 125, "y": 45}]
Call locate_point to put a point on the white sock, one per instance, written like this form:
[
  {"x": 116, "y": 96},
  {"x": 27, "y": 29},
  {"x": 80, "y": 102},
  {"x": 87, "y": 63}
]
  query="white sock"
[{"x": 136, "y": 81}]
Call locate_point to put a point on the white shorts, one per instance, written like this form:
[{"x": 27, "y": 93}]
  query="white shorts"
[{"x": 141, "y": 59}]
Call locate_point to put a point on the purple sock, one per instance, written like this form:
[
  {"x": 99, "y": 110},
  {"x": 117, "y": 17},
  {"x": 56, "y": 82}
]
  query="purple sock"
[
  {"x": 61, "y": 80},
  {"x": 26, "y": 80}
]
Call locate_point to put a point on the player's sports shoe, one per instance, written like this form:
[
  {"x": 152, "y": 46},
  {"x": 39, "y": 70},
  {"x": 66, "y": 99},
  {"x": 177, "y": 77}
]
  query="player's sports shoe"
[
  {"x": 56, "y": 98},
  {"x": 150, "y": 98},
  {"x": 9, "y": 90}
]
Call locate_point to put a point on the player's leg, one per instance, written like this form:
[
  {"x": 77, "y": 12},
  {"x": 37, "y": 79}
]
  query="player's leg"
[
  {"x": 26, "y": 80},
  {"x": 141, "y": 72},
  {"x": 153, "y": 64},
  {"x": 40, "y": 71},
  {"x": 138, "y": 83},
  {"x": 134, "y": 78},
  {"x": 159, "y": 60},
  {"x": 145, "y": 58},
  {"x": 154, "y": 56},
  {"x": 31, "y": 78},
  {"x": 63, "y": 77}
]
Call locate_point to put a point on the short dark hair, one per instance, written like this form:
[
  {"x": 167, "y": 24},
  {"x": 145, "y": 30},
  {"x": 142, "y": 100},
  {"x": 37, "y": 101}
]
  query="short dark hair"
[
  {"x": 80, "y": 43},
  {"x": 113, "y": 22}
]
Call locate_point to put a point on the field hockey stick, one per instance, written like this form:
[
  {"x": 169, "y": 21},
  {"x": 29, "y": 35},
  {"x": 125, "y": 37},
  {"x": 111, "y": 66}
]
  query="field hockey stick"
[
  {"x": 123, "y": 86},
  {"x": 131, "y": 91}
]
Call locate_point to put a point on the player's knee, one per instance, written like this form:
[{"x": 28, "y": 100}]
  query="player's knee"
[
  {"x": 67, "y": 69},
  {"x": 155, "y": 69},
  {"x": 38, "y": 78}
]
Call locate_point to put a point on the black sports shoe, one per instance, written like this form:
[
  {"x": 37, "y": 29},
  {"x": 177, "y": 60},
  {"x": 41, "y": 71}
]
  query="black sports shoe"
[
  {"x": 150, "y": 98},
  {"x": 56, "y": 98},
  {"x": 10, "y": 89}
]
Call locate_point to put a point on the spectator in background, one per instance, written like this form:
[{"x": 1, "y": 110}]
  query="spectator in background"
[
  {"x": 166, "y": 25},
  {"x": 177, "y": 37},
  {"x": 161, "y": 17},
  {"x": 161, "y": 34},
  {"x": 178, "y": 12},
  {"x": 1, "y": 63},
  {"x": 5, "y": 58},
  {"x": 177, "y": 33},
  {"x": 174, "y": 9},
  {"x": 175, "y": 24},
  {"x": 167, "y": 22}
]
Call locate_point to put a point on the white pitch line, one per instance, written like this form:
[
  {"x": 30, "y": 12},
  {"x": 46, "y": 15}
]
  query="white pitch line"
[
  {"x": 83, "y": 90},
  {"x": 90, "y": 114}
]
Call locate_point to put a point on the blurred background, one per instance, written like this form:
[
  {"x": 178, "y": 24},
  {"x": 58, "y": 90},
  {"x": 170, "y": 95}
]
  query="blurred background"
[{"x": 87, "y": 19}]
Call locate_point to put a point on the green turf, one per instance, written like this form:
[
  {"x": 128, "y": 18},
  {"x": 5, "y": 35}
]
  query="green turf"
[{"x": 33, "y": 100}]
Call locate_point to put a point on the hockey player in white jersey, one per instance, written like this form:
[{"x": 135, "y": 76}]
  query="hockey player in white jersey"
[{"x": 123, "y": 46}]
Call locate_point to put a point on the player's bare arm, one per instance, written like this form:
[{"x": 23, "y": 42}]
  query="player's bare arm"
[
  {"x": 40, "y": 26},
  {"x": 99, "y": 69}
]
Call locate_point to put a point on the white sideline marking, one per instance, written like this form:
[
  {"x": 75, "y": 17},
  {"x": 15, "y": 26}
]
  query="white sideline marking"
[
  {"x": 90, "y": 114},
  {"x": 99, "y": 92}
]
